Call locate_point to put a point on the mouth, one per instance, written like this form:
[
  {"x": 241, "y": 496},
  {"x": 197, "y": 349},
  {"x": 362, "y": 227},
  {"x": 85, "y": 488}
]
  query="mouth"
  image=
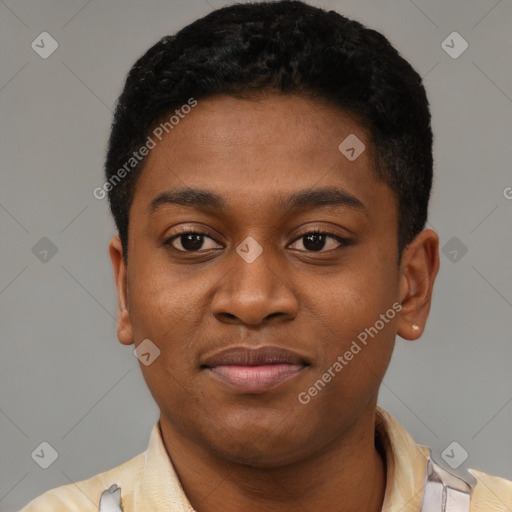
[{"x": 254, "y": 370}]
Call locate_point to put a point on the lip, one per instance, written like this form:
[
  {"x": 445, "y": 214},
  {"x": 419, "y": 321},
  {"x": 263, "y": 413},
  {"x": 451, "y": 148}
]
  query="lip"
[{"x": 254, "y": 370}]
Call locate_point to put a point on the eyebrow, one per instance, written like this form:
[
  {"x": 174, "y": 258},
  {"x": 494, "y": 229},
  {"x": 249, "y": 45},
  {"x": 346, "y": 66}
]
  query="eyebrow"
[
  {"x": 198, "y": 198},
  {"x": 301, "y": 200},
  {"x": 316, "y": 198}
]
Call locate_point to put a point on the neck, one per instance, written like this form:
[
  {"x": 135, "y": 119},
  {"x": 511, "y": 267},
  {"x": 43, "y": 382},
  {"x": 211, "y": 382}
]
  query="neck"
[{"x": 348, "y": 475}]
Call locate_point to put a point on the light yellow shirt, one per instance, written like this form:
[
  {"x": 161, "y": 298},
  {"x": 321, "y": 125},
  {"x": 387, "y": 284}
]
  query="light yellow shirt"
[{"x": 149, "y": 482}]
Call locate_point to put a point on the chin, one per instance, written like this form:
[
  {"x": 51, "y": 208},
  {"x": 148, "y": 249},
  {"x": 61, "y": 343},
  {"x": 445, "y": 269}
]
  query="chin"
[{"x": 259, "y": 451}]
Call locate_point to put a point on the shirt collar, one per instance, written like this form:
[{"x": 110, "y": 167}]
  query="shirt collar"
[
  {"x": 406, "y": 465},
  {"x": 159, "y": 488}
]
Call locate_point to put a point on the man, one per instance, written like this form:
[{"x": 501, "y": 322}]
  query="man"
[{"x": 269, "y": 172}]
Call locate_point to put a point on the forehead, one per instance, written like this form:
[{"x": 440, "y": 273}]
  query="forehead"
[
  {"x": 292, "y": 125},
  {"x": 257, "y": 151}
]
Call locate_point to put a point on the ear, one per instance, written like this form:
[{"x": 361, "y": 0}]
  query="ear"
[
  {"x": 124, "y": 324},
  {"x": 418, "y": 271}
]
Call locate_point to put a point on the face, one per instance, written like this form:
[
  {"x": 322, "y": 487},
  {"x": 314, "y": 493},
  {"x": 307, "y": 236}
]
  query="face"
[{"x": 250, "y": 230}]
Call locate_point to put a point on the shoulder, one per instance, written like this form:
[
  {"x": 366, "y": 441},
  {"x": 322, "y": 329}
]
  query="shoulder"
[
  {"x": 84, "y": 496},
  {"x": 491, "y": 493}
]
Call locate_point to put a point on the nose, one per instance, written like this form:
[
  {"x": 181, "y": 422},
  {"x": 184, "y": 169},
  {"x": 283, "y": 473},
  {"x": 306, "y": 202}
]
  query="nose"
[{"x": 253, "y": 293}]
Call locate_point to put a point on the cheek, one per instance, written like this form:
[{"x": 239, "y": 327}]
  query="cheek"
[
  {"x": 169, "y": 310},
  {"x": 353, "y": 315},
  {"x": 355, "y": 296},
  {"x": 159, "y": 299}
]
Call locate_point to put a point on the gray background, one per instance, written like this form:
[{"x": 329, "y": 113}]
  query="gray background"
[{"x": 64, "y": 377}]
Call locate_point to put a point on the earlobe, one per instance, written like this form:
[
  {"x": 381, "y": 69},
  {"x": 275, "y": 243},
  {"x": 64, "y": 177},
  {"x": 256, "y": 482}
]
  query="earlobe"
[
  {"x": 419, "y": 267},
  {"x": 124, "y": 325}
]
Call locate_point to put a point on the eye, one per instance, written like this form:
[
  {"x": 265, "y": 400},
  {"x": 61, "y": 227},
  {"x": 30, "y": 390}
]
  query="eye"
[
  {"x": 192, "y": 241},
  {"x": 316, "y": 241}
]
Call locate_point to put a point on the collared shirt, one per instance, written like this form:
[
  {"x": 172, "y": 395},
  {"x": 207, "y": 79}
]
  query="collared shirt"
[{"x": 149, "y": 483}]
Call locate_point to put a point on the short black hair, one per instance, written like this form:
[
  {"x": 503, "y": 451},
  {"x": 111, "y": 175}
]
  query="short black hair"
[{"x": 281, "y": 47}]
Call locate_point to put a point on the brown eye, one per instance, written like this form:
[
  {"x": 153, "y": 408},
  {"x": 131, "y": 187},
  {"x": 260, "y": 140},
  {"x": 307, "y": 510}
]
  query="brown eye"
[
  {"x": 317, "y": 241},
  {"x": 192, "y": 242}
]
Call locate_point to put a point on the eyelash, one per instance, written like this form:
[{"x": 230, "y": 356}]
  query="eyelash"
[
  {"x": 169, "y": 241},
  {"x": 344, "y": 242}
]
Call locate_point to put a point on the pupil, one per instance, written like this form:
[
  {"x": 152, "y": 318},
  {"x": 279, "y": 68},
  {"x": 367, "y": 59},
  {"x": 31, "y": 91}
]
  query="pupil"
[
  {"x": 192, "y": 241},
  {"x": 314, "y": 242}
]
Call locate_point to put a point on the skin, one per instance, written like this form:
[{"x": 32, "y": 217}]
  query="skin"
[{"x": 267, "y": 451}]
